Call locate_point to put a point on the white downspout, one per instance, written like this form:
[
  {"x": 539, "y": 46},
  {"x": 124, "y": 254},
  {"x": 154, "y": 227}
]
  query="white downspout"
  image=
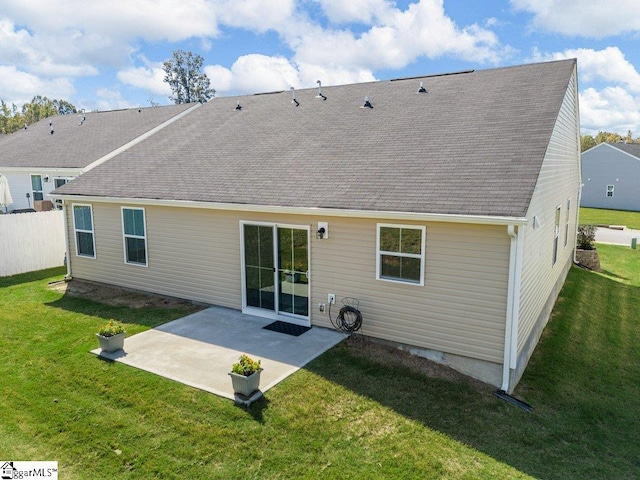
[
  {"x": 511, "y": 291},
  {"x": 515, "y": 327}
]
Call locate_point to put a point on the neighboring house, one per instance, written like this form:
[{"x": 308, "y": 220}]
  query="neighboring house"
[
  {"x": 611, "y": 176},
  {"x": 448, "y": 209},
  {"x": 57, "y": 149}
]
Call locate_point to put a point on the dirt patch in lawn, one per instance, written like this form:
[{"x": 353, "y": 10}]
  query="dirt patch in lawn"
[
  {"x": 387, "y": 355},
  {"x": 120, "y": 297}
]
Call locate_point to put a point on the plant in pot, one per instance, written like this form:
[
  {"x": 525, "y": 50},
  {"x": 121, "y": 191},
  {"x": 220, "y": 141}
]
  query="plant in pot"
[
  {"x": 245, "y": 375},
  {"x": 111, "y": 336}
]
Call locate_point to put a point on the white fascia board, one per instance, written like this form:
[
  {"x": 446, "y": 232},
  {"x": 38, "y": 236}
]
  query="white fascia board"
[
  {"x": 63, "y": 172},
  {"x": 139, "y": 139},
  {"x": 329, "y": 212}
]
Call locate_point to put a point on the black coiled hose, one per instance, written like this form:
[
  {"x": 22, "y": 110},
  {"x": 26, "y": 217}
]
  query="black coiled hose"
[{"x": 349, "y": 319}]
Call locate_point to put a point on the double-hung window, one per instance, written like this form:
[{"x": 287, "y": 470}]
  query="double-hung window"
[
  {"x": 83, "y": 228},
  {"x": 401, "y": 253},
  {"x": 135, "y": 239},
  {"x": 36, "y": 187}
]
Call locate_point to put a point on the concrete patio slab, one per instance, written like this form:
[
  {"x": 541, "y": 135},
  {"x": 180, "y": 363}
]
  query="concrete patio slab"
[{"x": 198, "y": 349}]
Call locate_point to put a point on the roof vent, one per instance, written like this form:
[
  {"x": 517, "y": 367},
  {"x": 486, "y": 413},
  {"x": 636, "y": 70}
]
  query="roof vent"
[
  {"x": 51, "y": 127},
  {"x": 81, "y": 119},
  {"x": 293, "y": 95},
  {"x": 320, "y": 95},
  {"x": 367, "y": 103},
  {"x": 25, "y": 126},
  {"x": 422, "y": 89},
  {"x": 139, "y": 109},
  {"x": 238, "y": 106}
]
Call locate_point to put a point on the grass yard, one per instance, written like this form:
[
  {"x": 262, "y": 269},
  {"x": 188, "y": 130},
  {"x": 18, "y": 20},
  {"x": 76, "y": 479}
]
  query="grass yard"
[
  {"x": 345, "y": 416},
  {"x": 597, "y": 216}
]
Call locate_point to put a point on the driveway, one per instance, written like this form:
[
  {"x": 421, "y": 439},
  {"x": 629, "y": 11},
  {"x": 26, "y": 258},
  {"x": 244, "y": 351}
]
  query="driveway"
[
  {"x": 198, "y": 349},
  {"x": 616, "y": 236}
]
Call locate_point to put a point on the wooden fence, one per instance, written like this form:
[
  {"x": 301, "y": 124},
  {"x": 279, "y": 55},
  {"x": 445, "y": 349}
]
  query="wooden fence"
[{"x": 31, "y": 241}]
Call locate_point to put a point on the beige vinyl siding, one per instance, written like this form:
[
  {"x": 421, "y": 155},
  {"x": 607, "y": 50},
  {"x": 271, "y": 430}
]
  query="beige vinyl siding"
[
  {"x": 559, "y": 179},
  {"x": 195, "y": 254}
]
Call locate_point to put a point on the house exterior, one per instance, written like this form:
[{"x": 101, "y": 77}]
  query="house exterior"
[
  {"x": 611, "y": 176},
  {"x": 447, "y": 207},
  {"x": 51, "y": 152}
]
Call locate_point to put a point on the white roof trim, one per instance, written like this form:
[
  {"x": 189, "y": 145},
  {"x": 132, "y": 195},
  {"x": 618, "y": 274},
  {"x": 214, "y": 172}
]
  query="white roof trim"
[{"x": 332, "y": 212}]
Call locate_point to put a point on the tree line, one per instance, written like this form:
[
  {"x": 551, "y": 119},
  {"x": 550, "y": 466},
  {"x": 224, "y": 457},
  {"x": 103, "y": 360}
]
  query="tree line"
[
  {"x": 12, "y": 119},
  {"x": 589, "y": 141}
]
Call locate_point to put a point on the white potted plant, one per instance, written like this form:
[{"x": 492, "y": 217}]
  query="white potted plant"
[
  {"x": 245, "y": 375},
  {"x": 111, "y": 336}
]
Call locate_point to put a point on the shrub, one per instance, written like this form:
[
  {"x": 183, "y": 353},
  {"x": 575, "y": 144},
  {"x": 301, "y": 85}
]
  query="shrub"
[
  {"x": 586, "y": 237},
  {"x": 245, "y": 366}
]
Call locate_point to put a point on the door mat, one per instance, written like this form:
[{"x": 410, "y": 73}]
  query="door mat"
[{"x": 288, "y": 328}]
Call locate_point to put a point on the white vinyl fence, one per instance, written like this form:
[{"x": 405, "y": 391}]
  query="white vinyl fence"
[{"x": 31, "y": 241}]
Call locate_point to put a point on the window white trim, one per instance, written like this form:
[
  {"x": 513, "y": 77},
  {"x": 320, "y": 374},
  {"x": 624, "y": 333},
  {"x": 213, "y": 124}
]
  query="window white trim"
[
  {"x": 556, "y": 233},
  {"x": 566, "y": 223},
  {"x": 421, "y": 255},
  {"x": 76, "y": 230},
  {"x": 141, "y": 237},
  {"x": 610, "y": 190},
  {"x": 66, "y": 180},
  {"x": 33, "y": 192}
]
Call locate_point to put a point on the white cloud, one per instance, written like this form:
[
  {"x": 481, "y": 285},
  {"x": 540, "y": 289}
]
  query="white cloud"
[
  {"x": 612, "y": 109},
  {"x": 609, "y": 65},
  {"x": 150, "y": 78},
  {"x": 364, "y": 11},
  {"x": 399, "y": 38},
  {"x": 260, "y": 73},
  {"x": 254, "y": 74},
  {"x": 149, "y": 19},
  {"x": 610, "y": 100},
  {"x": 107, "y": 99},
  {"x": 67, "y": 39},
  {"x": 595, "y": 19},
  {"x": 257, "y": 15},
  {"x": 19, "y": 87}
]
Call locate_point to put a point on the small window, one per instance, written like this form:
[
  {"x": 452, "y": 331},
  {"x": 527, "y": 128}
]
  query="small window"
[
  {"x": 556, "y": 234},
  {"x": 36, "y": 187},
  {"x": 566, "y": 223},
  {"x": 83, "y": 227},
  {"x": 135, "y": 240},
  {"x": 609, "y": 190},
  {"x": 58, "y": 182},
  {"x": 401, "y": 253}
]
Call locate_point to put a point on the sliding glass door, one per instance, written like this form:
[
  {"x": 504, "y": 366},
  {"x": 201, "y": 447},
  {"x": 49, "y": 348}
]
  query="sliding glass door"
[{"x": 276, "y": 271}]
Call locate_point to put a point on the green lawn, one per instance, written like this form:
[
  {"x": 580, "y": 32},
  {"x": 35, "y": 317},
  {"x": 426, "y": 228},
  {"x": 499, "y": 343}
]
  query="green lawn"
[
  {"x": 597, "y": 216},
  {"x": 344, "y": 416}
]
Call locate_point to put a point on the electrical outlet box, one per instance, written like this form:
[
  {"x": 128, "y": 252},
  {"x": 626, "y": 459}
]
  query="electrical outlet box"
[
  {"x": 321, "y": 307},
  {"x": 331, "y": 298}
]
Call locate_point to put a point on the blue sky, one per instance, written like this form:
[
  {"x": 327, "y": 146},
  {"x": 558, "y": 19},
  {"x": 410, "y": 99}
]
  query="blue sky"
[{"x": 103, "y": 55}]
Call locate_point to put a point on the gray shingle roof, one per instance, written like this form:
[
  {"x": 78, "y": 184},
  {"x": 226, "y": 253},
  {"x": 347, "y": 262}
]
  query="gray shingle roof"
[
  {"x": 75, "y": 146},
  {"x": 630, "y": 148},
  {"x": 472, "y": 145}
]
